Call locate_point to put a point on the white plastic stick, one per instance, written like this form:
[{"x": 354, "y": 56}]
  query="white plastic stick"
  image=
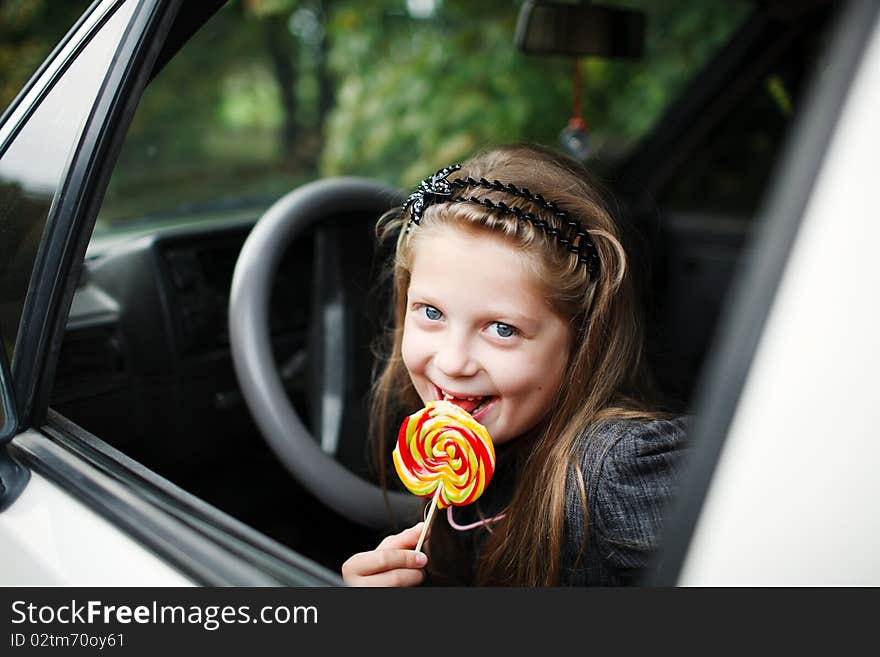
[{"x": 428, "y": 519}]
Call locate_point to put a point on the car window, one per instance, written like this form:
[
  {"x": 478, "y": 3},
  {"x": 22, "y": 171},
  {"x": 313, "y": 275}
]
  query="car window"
[
  {"x": 267, "y": 96},
  {"x": 730, "y": 169},
  {"x": 28, "y": 33},
  {"x": 33, "y": 166},
  {"x": 709, "y": 201},
  {"x": 262, "y": 98}
]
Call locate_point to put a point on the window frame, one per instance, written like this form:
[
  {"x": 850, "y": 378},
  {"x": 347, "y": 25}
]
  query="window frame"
[
  {"x": 14, "y": 119},
  {"x": 59, "y": 260}
]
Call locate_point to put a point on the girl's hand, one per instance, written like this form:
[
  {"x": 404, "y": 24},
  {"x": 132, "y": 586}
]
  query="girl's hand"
[{"x": 393, "y": 563}]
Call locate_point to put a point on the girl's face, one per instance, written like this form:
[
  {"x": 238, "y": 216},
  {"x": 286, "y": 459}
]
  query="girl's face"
[{"x": 479, "y": 333}]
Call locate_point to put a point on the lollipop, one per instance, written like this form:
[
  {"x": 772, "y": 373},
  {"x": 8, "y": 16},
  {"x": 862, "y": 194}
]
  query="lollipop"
[{"x": 442, "y": 451}]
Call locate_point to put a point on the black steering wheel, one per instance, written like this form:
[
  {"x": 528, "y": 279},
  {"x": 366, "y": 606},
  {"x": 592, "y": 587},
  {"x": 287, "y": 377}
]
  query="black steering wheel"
[{"x": 310, "y": 462}]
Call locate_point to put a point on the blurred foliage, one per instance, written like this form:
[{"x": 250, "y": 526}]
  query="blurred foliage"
[
  {"x": 205, "y": 126},
  {"x": 272, "y": 93},
  {"x": 416, "y": 95}
]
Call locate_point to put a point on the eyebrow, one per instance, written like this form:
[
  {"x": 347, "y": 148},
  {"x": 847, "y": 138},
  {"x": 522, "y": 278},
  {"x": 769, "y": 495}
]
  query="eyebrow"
[{"x": 418, "y": 294}]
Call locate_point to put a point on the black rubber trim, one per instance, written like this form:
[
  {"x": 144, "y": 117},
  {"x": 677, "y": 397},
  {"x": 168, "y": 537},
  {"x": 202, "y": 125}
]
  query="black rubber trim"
[
  {"x": 205, "y": 544},
  {"x": 190, "y": 18},
  {"x": 755, "y": 287}
]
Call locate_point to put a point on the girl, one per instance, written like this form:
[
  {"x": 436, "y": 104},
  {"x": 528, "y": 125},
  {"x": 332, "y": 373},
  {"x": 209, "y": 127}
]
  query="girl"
[{"x": 514, "y": 300}]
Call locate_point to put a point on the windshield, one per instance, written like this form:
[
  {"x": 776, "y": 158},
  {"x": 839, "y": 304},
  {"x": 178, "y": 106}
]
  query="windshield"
[{"x": 269, "y": 95}]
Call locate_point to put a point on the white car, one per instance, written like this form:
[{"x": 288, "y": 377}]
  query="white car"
[{"x": 154, "y": 434}]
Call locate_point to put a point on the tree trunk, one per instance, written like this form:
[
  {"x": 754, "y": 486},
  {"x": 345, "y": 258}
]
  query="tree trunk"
[{"x": 282, "y": 52}]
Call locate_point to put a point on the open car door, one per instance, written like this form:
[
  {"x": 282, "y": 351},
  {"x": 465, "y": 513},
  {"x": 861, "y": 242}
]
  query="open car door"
[{"x": 75, "y": 511}]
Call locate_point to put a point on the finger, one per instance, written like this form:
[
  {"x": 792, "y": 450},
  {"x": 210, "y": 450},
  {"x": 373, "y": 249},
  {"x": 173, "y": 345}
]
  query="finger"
[
  {"x": 405, "y": 539},
  {"x": 398, "y": 577},
  {"x": 364, "y": 564}
]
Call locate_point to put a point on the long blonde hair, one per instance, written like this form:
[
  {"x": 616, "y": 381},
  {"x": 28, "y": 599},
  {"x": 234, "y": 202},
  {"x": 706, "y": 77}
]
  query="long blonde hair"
[{"x": 606, "y": 374}]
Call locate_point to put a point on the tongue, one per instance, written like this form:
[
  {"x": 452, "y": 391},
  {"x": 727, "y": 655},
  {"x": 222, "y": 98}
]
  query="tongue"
[{"x": 466, "y": 404}]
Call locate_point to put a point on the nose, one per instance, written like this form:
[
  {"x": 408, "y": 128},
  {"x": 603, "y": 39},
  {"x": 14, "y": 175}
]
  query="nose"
[{"x": 454, "y": 356}]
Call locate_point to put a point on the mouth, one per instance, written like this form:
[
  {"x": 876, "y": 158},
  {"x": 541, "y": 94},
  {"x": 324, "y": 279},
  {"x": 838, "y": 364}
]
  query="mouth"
[{"x": 476, "y": 405}]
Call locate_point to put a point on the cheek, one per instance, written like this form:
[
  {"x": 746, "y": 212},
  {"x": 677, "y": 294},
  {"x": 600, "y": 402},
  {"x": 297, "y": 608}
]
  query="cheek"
[
  {"x": 556, "y": 369},
  {"x": 532, "y": 383},
  {"x": 519, "y": 377},
  {"x": 551, "y": 380},
  {"x": 413, "y": 348}
]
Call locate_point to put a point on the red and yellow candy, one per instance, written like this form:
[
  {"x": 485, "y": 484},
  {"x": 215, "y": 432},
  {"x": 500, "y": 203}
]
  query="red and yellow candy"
[{"x": 443, "y": 446}]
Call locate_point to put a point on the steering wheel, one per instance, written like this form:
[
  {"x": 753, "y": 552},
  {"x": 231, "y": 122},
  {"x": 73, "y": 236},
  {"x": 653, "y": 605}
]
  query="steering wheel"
[{"x": 315, "y": 468}]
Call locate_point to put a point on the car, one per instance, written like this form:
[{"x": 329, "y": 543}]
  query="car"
[{"x": 188, "y": 274}]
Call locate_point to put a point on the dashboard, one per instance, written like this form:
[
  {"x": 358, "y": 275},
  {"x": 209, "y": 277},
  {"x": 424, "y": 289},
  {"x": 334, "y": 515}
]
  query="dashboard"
[{"x": 145, "y": 362}]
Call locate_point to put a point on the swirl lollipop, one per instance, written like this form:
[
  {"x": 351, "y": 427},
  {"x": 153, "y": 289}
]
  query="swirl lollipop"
[{"x": 442, "y": 451}]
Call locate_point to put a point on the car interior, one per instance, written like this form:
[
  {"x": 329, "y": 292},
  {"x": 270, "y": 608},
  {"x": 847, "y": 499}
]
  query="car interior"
[{"x": 146, "y": 366}]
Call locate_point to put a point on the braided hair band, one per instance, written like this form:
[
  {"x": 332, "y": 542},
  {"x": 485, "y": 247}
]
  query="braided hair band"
[{"x": 437, "y": 189}]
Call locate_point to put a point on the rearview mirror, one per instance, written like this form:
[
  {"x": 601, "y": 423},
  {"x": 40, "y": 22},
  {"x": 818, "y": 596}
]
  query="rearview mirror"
[{"x": 578, "y": 30}]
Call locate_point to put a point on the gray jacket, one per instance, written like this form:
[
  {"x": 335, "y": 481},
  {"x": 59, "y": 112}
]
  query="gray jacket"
[{"x": 630, "y": 470}]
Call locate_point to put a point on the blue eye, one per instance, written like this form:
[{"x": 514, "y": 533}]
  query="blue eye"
[
  {"x": 504, "y": 330},
  {"x": 432, "y": 313}
]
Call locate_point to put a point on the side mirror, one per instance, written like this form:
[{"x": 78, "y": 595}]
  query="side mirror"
[{"x": 578, "y": 30}]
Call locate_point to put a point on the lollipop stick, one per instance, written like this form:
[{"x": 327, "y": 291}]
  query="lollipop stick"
[{"x": 428, "y": 519}]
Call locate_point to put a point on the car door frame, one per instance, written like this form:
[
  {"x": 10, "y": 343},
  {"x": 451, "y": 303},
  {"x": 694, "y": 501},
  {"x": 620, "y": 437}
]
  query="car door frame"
[{"x": 60, "y": 258}]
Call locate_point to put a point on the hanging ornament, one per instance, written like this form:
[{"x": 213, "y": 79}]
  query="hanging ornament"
[{"x": 575, "y": 138}]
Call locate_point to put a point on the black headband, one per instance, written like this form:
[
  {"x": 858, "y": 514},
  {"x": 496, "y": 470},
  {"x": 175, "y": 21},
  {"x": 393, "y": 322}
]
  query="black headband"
[{"x": 438, "y": 189}]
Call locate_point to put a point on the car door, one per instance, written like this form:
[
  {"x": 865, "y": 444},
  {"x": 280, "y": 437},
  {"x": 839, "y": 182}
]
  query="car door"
[
  {"x": 781, "y": 488},
  {"x": 77, "y": 511}
]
